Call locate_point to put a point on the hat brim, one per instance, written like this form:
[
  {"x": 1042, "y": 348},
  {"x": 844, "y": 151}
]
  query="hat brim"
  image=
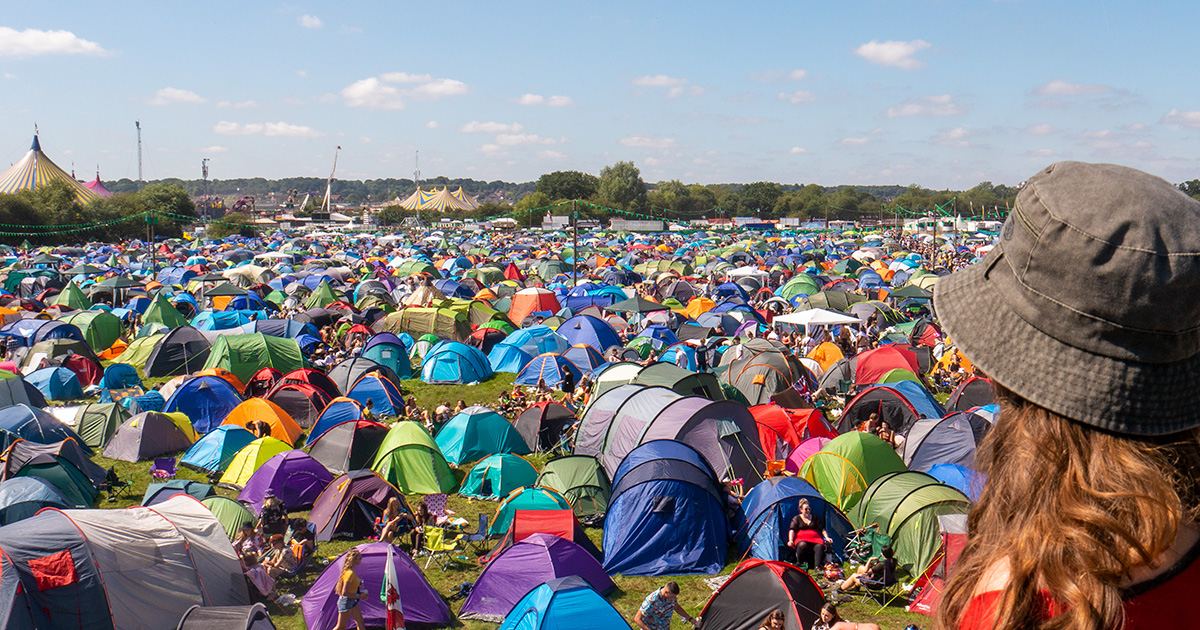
[{"x": 1117, "y": 395}]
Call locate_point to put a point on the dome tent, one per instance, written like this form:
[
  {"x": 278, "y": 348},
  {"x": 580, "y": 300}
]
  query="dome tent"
[
  {"x": 214, "y": 451},
  {"x": 452, "y": 362},
  {"x": 410, "y": 460},
  {"x": 497, "y": 476},
  {"x": 145, "y": 436},
  {"x": 420, "y": 602},
  {"x": 292, "y": 476},
  {"x": 847, "y": 465},
  {"x": 566, "y": 602},
  {"x": 758, "y": 587},
  {"x": 475, "y": 433},
  {"x": 349, "y": 505},
  {"x": 581, "y": 480},
  {"x": 350, "y": 445},
  {"x": 769, "y": 508}
]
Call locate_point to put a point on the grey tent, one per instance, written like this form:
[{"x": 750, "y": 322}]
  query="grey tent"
[
  {"x": 226, "y": 618},
  {"x": 15, "y": 391},
  {"x": 347, "y": 373},
  {"x": 348, "y": 446},
  {"x": 144, "y": 436},
  {"x": 182, "y": 351},
  {"x": 949, "y": 440},
  {"x": 97, "y": 422}
]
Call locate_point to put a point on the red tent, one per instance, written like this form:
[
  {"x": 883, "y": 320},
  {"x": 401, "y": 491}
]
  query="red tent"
[
  {"x": 933, "y": 581},
  {"x": 531, "y": 300},
  {"x": 790, "y": 427},
  {"x": 512, "y": 273},
  {"x": 560, "y": 523},
  {"x": 870, "y": 366}
]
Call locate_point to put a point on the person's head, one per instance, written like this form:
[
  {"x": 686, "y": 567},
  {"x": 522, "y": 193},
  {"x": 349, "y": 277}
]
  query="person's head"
[
  {"x": 829, "y": 614},
  {"x": 669, "y": 591},
  {"x": 370, "y": 404},
  {"x": 775, "y": 619},
  {"x": 247, "y": 530},
  {"x": 277, "y": 541},
  {"x": 250, "y": 558},
  {"x": 887, "y": 552},
  {"x": 1084, "y": 534},
  {"x": 804, "y": 508},
  {"x": 353, "y": 559},
  {"x": 393, "y": 506},
  {"x": 423, "y": 510}
]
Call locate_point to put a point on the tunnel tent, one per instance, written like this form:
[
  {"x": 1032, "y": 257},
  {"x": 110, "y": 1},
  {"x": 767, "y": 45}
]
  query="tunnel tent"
[{"x": 906, "y": 505}]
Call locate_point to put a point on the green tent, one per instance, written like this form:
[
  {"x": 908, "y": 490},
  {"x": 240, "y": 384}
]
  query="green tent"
[
  {"x": 443, "y": 322},
  {"x": 230, "y": 514},
  {"x": 681, "y": 381},
  {"x": 100, "y": 329},
  {"x": 845, "y": 467},
  {"x": 246, "y": 354},
  {"x": 410, "y": 267},
  {"x": 410, "y": 460},
  {"x": 899, "y": 374},
  {"x": 838, "y": 301},
  {"x": 161, "y": 312},
  {"x": 905, "y": 505},
  {"x": 800, "y": 284},
  {"x": 73, "y": 297},
  {"x": 97, "y": 422},
  {"x": 525, "y": 499},
  {"x": 65, "y": 476},
  {"x": 582, "y": 482},
  {"x": 322, "y": 296},
  {"x": 139, "y": 351},
  {"x": 498, "y": 475}
]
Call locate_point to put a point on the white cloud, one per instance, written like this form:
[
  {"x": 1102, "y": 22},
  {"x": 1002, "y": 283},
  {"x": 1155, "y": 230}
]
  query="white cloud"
[
  {"x": 9, "y": 75},
  {"x": 490, "y": 149},
  {"x": 935, "y": 105},
  {"x": 216, "y": 148},
  {"x": 31, "y": 42},
  {"x": 896, "y": 54},
  {"x": 659, "y": 80},
  {"x": 560, "y": 101},
  {"x": 855, "y": 142},
  {"x": 956, "y": 138},
  {"x": 378, "y": 93},
  {"x": 798, "y": 151},
  {"x": 538, "y": 99},
  {"x": 311, "y": 21},
  {"x": 1041, "y": 153},
  {"x": 433, "y": 124},
  {"x": 227, "y": 128},
  {"x": 364, "y": 139},
  {"x": 799, "y": 97},
  {"x": 1058, "y": 87},
  {"x": 490, "y": 127},
  {"x": 238, "y": 105},
  {"x": 551, "y": 155},
  {"x": 773, "y": 76},
  {"x": 648, "y": 142},
  {"x": 1189, "y": 119},
  {"x": 1043, "y": 129},
  {"x": 169, "y": 95},
  {"x": 515, "y": 139}
]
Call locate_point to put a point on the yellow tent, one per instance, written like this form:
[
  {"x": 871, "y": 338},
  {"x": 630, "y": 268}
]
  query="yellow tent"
[
  {"x": 826, "y": 354},
  {"x": 251, "y": 458},
  {"x": 34, "y": 169}
]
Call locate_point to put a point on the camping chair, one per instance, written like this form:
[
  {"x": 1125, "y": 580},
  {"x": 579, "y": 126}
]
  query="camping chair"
[
  {"x": 860, "y": 544},
  {"x": 441, "y": 549},
  {"x": 477, "y": 542},
  {"x": 163, "y": 468},
  {"x": 114, "y": 486},
  {"x": 884, "y": 591},
  {"x": 437, "y": 507}
]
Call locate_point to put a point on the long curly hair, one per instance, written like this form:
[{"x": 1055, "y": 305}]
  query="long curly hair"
[{"x": 1069, "y": 510}]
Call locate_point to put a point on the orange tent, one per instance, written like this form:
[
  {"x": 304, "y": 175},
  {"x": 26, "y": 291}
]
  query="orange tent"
[
  {"x": 826, "y": 354},
  {"x": 229, "y": 377},
  {"x": 698, "y": 306},
  {"x": 282, "y": 425},
  {"x": 114, "y": 351}
]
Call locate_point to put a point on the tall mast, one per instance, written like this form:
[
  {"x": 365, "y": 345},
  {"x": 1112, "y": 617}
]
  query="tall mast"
[
  {"x": 417, "y": 180},
  {"x": 329, "y": 182},
  {"x": 138, "y": 124}
]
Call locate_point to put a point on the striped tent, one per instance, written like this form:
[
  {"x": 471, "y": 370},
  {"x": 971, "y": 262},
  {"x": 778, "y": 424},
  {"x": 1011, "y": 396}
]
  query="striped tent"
[
  {"x": 462, "y": 196},
  {"x": 439, "y": 200},
  {"x": 35, "y": 169},
  {"x": 97, "y": 186},
  {"x": 418, "y": 200},
  {"x": 445, "y": 200}
]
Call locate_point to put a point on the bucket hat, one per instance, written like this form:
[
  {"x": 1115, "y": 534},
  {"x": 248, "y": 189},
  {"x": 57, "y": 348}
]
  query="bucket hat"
[{"x": 1089, "y": 303}]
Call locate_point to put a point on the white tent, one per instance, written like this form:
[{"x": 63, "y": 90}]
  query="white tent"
[{"x": 816, "y": 317}]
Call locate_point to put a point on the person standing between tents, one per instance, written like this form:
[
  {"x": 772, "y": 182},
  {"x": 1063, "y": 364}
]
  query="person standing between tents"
[
  {"x": 659, "y": 606},
  {"x": 1112, "y": 542},
  {"x": 568, "y": 383},
  {"x": 349, "y": 591}
]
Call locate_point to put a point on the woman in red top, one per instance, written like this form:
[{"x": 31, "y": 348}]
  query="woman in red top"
[{"x": 1085, "y": 317}]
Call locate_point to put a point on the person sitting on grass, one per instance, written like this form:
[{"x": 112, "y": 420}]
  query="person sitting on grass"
[
  {"x": 394, "y": 521},
  {"x": 831, "y": 620},
  {"x": 278, "y": 559},
  {"x": 875, "y": 570}
]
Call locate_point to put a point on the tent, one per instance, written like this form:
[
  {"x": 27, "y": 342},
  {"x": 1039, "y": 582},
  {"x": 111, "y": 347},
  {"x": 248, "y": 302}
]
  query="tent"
[
  {"x": 231, "y": 514},
  {"x": 498, "y": 476},
  {"x": 56, "y": 383},
  {"x": 37, "y": 426},
  {"x": 581, "y": 480},
  {"x": 139, "y": 350},
  {"x": 100, "y": 329},
  {"x": 870, "y": 366},
  {"x": 531, "y": 300},
  {"x": 548, "y": 367},
  {"x": 15, "y": 391},
  {"x": 781, "y": 430},
  {"x": 758, "y": 587},
  {"x": 248, "y": 460},
  {"x": 475, "y": 433},
  {"x": 120, "y": 376},
  {"x": 972, "y": 392},
  {"x": 260, "y": 409},
  {"x": 899, "y": 404},
  {"x": 451, "y": 362},
  {"x": 763, "y": 371},
  {"x": 561, "y": 523},
  {"x": 181, "y": 351},
  {"x": 525, "y": 499},
  {"x": 344, "y": 375},
  {"x": 253, "y": 617},
  {"x": 349, "y": 505},
  {"x": 566, "y": 602},
  {"x": 930, "y": 586},
  {"x": 160, "y": 311},
  {"x": 799, "y": 455},
  {"x": 382, "y": 395},
  {"x": 949, "y": 440},
  {"x": 213, "y": 451},
  {"x": 536, "y": 340},
  {"x": 542, "y": 425},
  {"x": 591, "y": 331},
  {"x": 506, "y": 358},
  {"x": 22, "y": 497},
  {"x": 145, "y": 436},
  {"x": 133, "y": 568},
  {"x": 205, "y": 400},
  {"x": 97, "y": 422},
  {"x": 292, "y": 476},
  {"x": 769, "y": 508},
  {"x": 585, "y": 357},
  {"x": 350, "y": 445},
  {"x": 246, "y": 354},
  {"x": 158, "y": 492},
  {"x": 845, "y": 467},
  {"x": 393, "y": 354},
  {"x": 339, "y": 410},
  {"x": 526, "y": 564},
  {"x": 666, "y": 514},
  {"x": 411, "y": 460},
  {"x": 905, "y": 505},
  {"x": 420, "y": 603},
  {"x": 302, "y": 402}
]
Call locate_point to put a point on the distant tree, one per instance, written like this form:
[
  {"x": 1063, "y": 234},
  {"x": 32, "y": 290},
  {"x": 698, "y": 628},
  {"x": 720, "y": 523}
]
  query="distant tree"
[
  {"x": 493, "y": 210},
  {"x": 230, "y": 224},
  {"x": 701, "y": 199},
  {"x": 568, "y": 185},
  {"x": 1191, "y": 188},
  {"x": 532, "y": 201},
  {"x": 621, "y": 186},
  {"x": 759, "y": 197}
]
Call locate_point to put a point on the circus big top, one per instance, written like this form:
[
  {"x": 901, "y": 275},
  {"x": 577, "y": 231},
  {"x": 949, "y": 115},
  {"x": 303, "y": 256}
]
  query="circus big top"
[{"x": 36, "y": 169}]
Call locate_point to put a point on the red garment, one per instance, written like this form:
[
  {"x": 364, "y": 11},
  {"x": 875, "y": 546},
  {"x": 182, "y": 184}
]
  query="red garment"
[
  {"x": 808, "y": 536},
  {"x": 1164, "y": 602}
]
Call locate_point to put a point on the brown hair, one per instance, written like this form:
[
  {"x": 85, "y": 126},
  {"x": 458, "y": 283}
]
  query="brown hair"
[{"x": 1117, "y": 503}]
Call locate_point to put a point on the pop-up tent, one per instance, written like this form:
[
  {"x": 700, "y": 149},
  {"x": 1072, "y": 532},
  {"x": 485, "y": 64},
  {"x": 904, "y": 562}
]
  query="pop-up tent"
[
  {"x": 350, "y": 445},
  {"x": 666, "y": 515},
  {"x": 410, "y": 460},
  {"x": 523, "y": 566},
  {"x": 293, "y": 476},
  {"x": 205, "y": 400},
  {"x": 566, "y": 602},
  {"x": 581, "y": 480},
  {"x": 349, "y": 505},
  {"x": 475, "y": 433},
  {"x": 758, "y": 587},
  {"x": 145, "y": 436},
  {"x": 543, "y": 423},
  {"x": 497, "y": 476},
  {"x": 420, "y": 603},
  {"x": 248, "y": 460},
  {"x": 899, "y": 404},
  {"x": 134, "y": 568},
  {"x": 846, "y": 466},
  {"x": 548, "y": 368}
]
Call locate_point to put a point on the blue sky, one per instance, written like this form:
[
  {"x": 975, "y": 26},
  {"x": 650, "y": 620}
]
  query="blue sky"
[{"x": 941, "y": 93}]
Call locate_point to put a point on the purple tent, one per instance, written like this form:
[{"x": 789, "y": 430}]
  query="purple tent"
[
  {"x": 295, "y": 478},
  {"x": 522, "y": 567},
  {"x": 421, "y": 603}
]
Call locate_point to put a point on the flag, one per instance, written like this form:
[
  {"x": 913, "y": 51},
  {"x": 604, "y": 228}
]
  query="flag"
[{"x": 390, "y": 594}]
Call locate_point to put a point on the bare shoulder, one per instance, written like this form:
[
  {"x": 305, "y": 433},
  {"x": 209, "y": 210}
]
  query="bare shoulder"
[
  {"x": 996, "y": 577},
  {"x": 850, "y": 625}
]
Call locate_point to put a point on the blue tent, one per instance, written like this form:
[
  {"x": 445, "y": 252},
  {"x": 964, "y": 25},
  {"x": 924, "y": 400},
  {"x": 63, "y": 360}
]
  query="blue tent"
[
  {"x": 205, "y": 400},
  {"x": 176, "y": 274},
  {"x": 453, "y": 289},
  {"x": 390, "y": 352},
  {"x": 537, "y": 339},
  {"x": 336, "y": 412},
  {"x": 248, "y": 302},
  {"x": 496, "y": 476},
  {"x": 214, "y": 451},
  {"x": 289, "y": 328},
  {"x": 585, "y": 357},
  {"x": 576, "y": 303},
  {"x": 455, "y": 362},
  {"x": 769, "y": 508},
  {"x": 566, "y": 602},
  {"x": 589, "y": 330},
  {"x": 31, "y": 331},
  {"x": 964, "y": 479},
  {"x": 22, "y": 497},
  {"x": 660, "y": 336},
  {"x": 385, "y": 397},
  {"x": 666, "y": 514},
  {"x": 56, "y": 383},
  {"x": 920, "y": 398},
  {"x": 219, "y": 320},
  {"x": 475, "y": 433},
  {"x": 670, "y": 355},
  {"x": 728, "y": 290},
  {"x": 506, "y": 358},
  {"x": 120, "y": 376},
  {"x": 549, "y": 367},
  {"x": 37, "y": 426}
]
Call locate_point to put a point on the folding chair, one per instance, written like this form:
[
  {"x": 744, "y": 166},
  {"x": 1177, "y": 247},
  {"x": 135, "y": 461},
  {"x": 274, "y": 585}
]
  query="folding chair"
[
  {"x": 441, "y": 549},
  {"x": 884, "y": 591},
  {"x": 437, "y": 507},
  {"x": 477, "y": 542},
  {"x": 114, "y": 486},
  {"x": 163, "y": 468}
]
